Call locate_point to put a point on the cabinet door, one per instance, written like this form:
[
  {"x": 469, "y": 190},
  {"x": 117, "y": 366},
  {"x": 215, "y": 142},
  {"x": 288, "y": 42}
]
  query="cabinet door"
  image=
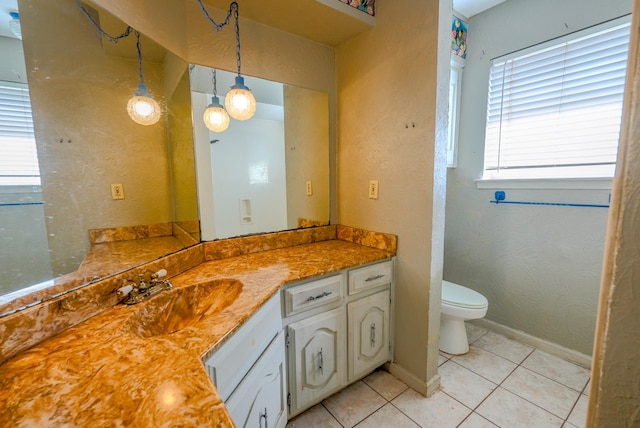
[
  {"x": 368, "y": 334},
  {"x": 260, "y": 399},
  {"x": 316, "y": 358}
]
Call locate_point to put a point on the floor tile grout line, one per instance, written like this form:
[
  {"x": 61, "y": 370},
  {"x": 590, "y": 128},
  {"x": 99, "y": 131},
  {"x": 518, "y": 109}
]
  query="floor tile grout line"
[
  {"x": 498, "y": 355},
  {"x": 553, "y": 380},
  {"x": 525, "y": 399},
  {"x": 410, "y": 418},
  {"x": 332, "y": 415},
  {"x": 534, "y": 371},
  {"x": 566, "y": 421},
  {"x": 368, "y": 415},
  {"x": 388, "y": 401},
  {"x": 495, "y": 389},
  {"x": 499, "y": 385}
]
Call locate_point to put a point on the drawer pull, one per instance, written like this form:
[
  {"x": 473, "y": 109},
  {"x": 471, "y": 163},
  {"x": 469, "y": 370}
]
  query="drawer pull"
[
  {"x": 373, "y": 335},
  {"x": 266, "y": 421},
  {"x": 321, "y": 362},
  {"x": 319, "y": 296},
  {"x": 373, "y": 278}
]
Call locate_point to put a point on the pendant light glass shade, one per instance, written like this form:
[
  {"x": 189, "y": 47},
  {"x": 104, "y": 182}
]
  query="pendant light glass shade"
[
  {"x": 142, "y": 108},
  {"x": 215, "y": 116},
  {"x": 239, "y": 101}
]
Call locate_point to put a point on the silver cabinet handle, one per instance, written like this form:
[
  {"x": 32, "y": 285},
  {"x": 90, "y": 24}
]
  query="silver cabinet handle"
[
  {"x": 319, "y": 296},
  {"x": 320, "y": 362},
  {"x": 266, "y": 421},
  {"x": 373, "y": 278},
  {"x": 373, "y": 335}
]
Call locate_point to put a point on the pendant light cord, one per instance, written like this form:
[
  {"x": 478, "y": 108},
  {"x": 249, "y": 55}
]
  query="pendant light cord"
[
  {"x": 104, "y": 34},
  {"x": 213, "y": 80},
  {"x": 233, "y": 10},
  {"x": 139, "y": 49}
]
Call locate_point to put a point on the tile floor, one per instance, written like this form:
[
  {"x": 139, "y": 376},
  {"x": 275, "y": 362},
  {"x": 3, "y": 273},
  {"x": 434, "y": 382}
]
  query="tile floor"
[{"x": 499, "y": 383}]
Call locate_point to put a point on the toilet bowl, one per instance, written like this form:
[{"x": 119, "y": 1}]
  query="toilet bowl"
[{"x": 458, "y": 305}]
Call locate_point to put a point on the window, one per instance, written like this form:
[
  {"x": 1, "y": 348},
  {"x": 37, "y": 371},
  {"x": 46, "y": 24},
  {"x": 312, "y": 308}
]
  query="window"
[
  {"x": 554, "y": 110},
  {"x": 455, "y": 84},
  {"x": 18, "y": 156}
]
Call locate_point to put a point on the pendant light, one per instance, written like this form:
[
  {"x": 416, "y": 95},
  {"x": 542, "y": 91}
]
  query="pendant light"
[
  {"x": 215, "y": 116},
  {"x": 240, "y": 102},
  {"x": 142, "y": 108}
]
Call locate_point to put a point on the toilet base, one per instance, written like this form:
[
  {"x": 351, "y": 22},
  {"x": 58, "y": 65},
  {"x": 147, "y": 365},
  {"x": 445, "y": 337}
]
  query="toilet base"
[{"x": 453, "y": 335}]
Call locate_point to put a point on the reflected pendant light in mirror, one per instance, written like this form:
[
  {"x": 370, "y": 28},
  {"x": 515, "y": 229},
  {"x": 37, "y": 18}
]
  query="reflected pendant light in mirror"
[
  {"x": 142, "y": 108},
  {"x": 239, "y": 101},
  {"x": 215, "y": 116}
]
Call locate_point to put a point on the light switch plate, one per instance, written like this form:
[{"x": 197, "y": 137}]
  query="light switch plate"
[
  {"x": 117, "y": 191},
  {"x": 373, "y": 189}
]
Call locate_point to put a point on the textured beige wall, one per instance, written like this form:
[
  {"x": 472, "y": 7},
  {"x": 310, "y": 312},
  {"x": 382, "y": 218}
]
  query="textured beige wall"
[
  {"x": 181, "y": 150},
  {"x": 614, "y": 399},
  {"x": 387, "y": 127},
  {"x": 306, "y": 136},
  {"x": 80, "y": 94}
]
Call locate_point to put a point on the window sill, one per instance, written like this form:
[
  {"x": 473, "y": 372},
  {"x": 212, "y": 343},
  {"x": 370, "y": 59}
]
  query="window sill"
[{"x": 546, "y": 183}]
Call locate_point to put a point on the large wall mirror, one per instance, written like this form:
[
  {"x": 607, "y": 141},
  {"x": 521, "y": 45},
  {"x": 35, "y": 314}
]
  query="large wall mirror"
[
  {"x": 79, "y": 85},
  {"x": 266, "y": 174}
]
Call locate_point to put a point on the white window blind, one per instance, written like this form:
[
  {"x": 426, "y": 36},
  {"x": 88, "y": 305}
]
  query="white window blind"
[
  {"x": 554, "y": 111},
  {"x": 18, "y": 156}
]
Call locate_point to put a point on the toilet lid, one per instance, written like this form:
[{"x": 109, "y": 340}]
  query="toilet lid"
[{"x": 457, "y": 295}]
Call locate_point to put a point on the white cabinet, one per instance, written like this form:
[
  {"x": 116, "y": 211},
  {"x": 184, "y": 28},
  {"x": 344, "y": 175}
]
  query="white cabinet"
[
  {"x": 369, "y": 345},
  {"x": 338, "y": 331},
  {"x": 249, "y": 370},
  {"x": 260, "y": 399},
  {"x": 317, "y": 366}
]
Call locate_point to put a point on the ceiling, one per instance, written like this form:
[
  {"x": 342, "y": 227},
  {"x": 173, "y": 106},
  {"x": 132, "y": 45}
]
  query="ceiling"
[
  {"x": 7, "y": 6},
  {"x": 468, "y": 8},
  {"x": 329, "y": 22},
  {"x": 340, "y": 22}
]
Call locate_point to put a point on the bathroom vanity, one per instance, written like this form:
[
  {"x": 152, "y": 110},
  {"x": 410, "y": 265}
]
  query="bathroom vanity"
[{"x": 274, "y": 330}]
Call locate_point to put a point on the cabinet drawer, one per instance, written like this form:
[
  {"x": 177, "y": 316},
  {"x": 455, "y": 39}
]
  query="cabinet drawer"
[
  {"x": 233, "y": 360},
  {"x": 370, "y": 276},
  {"x": 303, "y": 297}
]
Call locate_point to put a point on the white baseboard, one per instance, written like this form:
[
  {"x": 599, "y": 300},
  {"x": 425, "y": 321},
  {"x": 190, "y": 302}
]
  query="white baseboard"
[
  {"x": 426, "y": 389},
  {"x": 544, "y": 345}
]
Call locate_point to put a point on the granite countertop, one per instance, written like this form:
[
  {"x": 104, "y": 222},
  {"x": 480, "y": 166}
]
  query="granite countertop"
[{"x": 106, "y": 372}]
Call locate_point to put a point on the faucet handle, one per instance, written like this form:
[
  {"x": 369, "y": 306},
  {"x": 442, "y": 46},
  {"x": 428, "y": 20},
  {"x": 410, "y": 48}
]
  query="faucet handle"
[
  {"x": 124, "y": 291},
  {"x": 159, "y": 274}
]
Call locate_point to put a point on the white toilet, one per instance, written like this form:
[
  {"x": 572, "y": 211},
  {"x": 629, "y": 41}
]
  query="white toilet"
[{"x": 458, "y": 304}]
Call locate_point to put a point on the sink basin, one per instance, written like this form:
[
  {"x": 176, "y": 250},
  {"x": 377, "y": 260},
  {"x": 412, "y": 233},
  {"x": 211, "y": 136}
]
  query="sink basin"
[{"x": 174, "y": 310}]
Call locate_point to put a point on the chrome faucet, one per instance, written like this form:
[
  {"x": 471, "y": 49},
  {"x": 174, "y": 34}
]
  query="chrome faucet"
[{"x": 132, "y": 293}]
